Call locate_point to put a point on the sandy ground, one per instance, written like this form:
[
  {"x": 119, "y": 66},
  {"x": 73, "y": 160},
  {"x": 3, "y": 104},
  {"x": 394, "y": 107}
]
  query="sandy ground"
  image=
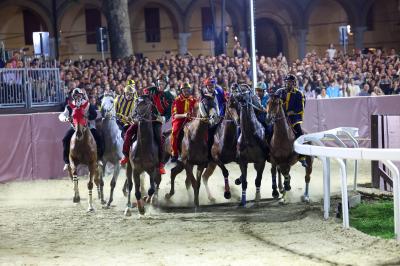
[{"x": 39, "y": 225}]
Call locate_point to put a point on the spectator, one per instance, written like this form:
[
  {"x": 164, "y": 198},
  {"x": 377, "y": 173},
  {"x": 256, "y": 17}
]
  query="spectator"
[
  {"x": 323, "y": 94},
  {"x": 365, "y": 91},
  {"x": 333, "y": 90}
]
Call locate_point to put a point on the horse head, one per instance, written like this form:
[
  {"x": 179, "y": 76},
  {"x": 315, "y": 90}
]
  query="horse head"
[
  {"x": 80, "y": 124},
  {"x": 107, "y": 106},
  {"x": 274, "y": 107},
  {"x": 143, "y": 108},
  {"x": 232, "y": 109},
  {"x": 208, "y": 109}
]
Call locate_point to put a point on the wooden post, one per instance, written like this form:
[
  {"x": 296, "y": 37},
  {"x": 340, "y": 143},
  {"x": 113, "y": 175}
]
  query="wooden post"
[{"x": 375, "y": 144}]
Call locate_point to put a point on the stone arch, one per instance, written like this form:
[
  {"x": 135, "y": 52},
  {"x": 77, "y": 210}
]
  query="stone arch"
[
  {"x": 63, "y": 8},
  {"x": 348, "y": 7},
  {"x": 170, "y": 7},
  {"x": 231, "y": 9},
  {"x": 274, "y": 41},
  {"x": 36, "y": 6}
]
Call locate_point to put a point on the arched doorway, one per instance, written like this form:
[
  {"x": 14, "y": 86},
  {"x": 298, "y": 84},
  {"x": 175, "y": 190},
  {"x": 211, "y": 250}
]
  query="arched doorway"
[{"x": 269, "y": 40}]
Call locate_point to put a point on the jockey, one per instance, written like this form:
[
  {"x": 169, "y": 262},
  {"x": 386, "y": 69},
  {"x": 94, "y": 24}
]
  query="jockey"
[
  {"x": 182, "y": 108},
  {"x": 124, "y": 106},
  {"x": 79, "y": 104},
  {"x": 162, "y": 97},
  {"x": 293, "y": 105},
  {"x": 132, "y": 130},
  {"x": 263, "y": 98},
  {"x": 215, "y": 91}
]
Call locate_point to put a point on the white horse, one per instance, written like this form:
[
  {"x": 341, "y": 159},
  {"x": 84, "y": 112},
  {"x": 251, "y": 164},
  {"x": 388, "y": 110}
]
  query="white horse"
[{"x": 112, "y": 139}]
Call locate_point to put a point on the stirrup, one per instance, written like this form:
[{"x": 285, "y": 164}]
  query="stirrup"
[
  {"x": 66, "y": 167},
  {"x": 100, "y": 163}
]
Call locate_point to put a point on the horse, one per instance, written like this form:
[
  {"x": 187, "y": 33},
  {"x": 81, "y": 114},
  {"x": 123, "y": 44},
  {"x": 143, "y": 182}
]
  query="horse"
[
  {"x": 112, "y": 139},
  {"x": 252, "y": 142},
  {"x": 83, "y": 150},
  {"x": 282, "y": 154},
  {"x": 194, "y": 146},
  {"x": 224, "y": 148},
  {"x": 143, "y": 156}
]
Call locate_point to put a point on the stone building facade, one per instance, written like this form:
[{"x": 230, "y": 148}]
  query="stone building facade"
[{"x": 153, "y": 27}]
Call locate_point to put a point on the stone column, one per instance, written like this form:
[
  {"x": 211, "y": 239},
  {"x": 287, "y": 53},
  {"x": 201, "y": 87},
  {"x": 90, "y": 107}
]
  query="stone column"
[
  {"x": 119, "y": 28},
  {"x": 243, "y": 39},
  {"x": 301, "y": 36},
  {"x": 359, "y": 36},
  {"x": 183, "y": 42}
]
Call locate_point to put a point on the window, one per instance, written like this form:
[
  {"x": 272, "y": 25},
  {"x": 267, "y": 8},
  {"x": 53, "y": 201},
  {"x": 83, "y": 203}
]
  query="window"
[
  {"x": 93, "y": 22},
  {"x": 32, "y": 23},
  {"x": 152, "y": 24},
  {"x": 370, "y": 19},
  {"x": 207, "y": 24}
]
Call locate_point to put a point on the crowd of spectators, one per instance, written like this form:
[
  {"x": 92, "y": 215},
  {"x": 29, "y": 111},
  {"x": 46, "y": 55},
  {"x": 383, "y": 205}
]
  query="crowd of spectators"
[{"x": 335, "y": 75}]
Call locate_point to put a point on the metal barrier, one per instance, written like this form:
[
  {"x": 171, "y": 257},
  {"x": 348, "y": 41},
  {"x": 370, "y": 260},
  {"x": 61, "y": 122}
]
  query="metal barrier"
[
  {"x": 341, "y": 154},
  {"x": 30, "y": 87}
]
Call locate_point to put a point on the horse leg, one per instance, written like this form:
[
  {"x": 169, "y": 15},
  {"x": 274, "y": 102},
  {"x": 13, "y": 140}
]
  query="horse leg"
[
  {"x": 174, "y": 172},
  {"x": 306, "y": 196},
  {"x": 100, "y": 186},
  {"x": 192, "y": 180},
  {"x": 259, "y": 167},
  {"x": 227, "y": 188},
  {"x": 157, "y": 180},
  {"x": 286, "y": 183},
  {"x": 125, "y": 186},
  {"x": 243, "y": 181},
  {"x": 138, "y": 194},
  {"x": 93, "y": 174},
  {"x": 152, "y": 188},
  {"x": 207, "y": 173},
  {"x": 113, "y": 183},
  {"x": 275, "y": 193},
  {"x": 200, "y": 169},
  {"x": 129, "y": 186},
  {"x": 73, "y": 172},
  {"x": 280, "y": 186}
]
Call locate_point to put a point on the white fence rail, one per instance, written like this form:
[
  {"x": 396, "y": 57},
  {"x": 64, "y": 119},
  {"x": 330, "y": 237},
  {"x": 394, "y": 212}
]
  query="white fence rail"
[{"x": 341, "y": 154}]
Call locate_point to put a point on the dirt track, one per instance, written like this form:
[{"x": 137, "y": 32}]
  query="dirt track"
[{"x": 39, "y": 224}]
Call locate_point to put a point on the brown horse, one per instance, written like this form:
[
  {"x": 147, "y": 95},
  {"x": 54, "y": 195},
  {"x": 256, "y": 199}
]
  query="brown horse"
[
  {"x": 194, "y": 146},
  {"x": 282, "y": 154},
  {"x": 252, "y": 143},
  {"x": 224, "y": 148},
  {"x": 83, "y": 150},
  {"x": 143, "y": 156}
]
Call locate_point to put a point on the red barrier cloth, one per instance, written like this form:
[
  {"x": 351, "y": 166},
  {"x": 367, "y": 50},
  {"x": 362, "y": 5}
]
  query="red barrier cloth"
[{"x": 15, "y": 148}]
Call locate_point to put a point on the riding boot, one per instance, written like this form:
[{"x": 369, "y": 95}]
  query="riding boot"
[
  {"x": 298, "y": 131},
  {"x": 66, "y": 143},
  {"x": 157, "y": 136},
  {"x": 127, "y": 143}
]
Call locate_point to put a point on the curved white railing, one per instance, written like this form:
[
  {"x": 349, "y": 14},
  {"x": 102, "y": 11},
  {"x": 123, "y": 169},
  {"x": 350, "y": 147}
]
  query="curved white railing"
[{"x": 342, "y": 153}]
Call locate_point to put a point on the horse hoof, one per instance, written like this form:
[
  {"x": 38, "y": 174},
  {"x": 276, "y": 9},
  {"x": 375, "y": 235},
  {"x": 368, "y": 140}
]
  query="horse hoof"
[
  {"x": 275, "y": 194},
  {"x": 90, "y": 209},
  {"x": 227, "y": 195},
  {"x": 127, "y": 212},
  {"x": 287, "y": 186},
  {"x": 76, "y": 199},
  {"x": 140, "y": 206},
  {"x": 305, "y": 199},
  {"x": 211, "y": 199},
  {"x": 106, "y": 207},
  {"x": 242, "y": 205},
  {"x": 103, "y": 202},
  {"x": 150, "y": 192},
  {"x": 258, "y": 197},
  {"x": 168, "y": 196},
  {"x": 238, "y": 182}
]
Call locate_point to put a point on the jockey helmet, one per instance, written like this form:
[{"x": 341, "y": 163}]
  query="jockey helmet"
[
  {"x": 291, "y": 81},
  {"x": 77, "y": 91},
  {"x": 210, "y": 82},
  {"x": 261, "y": 86},
  {"x": 186, "y": 86},
  {"x": 131, "y": 84},
  {"x": 163, "y": 77}
]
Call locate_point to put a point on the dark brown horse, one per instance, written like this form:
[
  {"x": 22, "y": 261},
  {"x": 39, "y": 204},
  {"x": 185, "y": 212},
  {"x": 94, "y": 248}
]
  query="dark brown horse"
[
  {"x": 194, "y": 146},
  {"x": 143, "y": 156},
  {"x": 224, "y": 148},
  {"x": 83, "y": 150},
  {"x": 252, "y": 143},
  {"x": 282, "y": 154}
]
